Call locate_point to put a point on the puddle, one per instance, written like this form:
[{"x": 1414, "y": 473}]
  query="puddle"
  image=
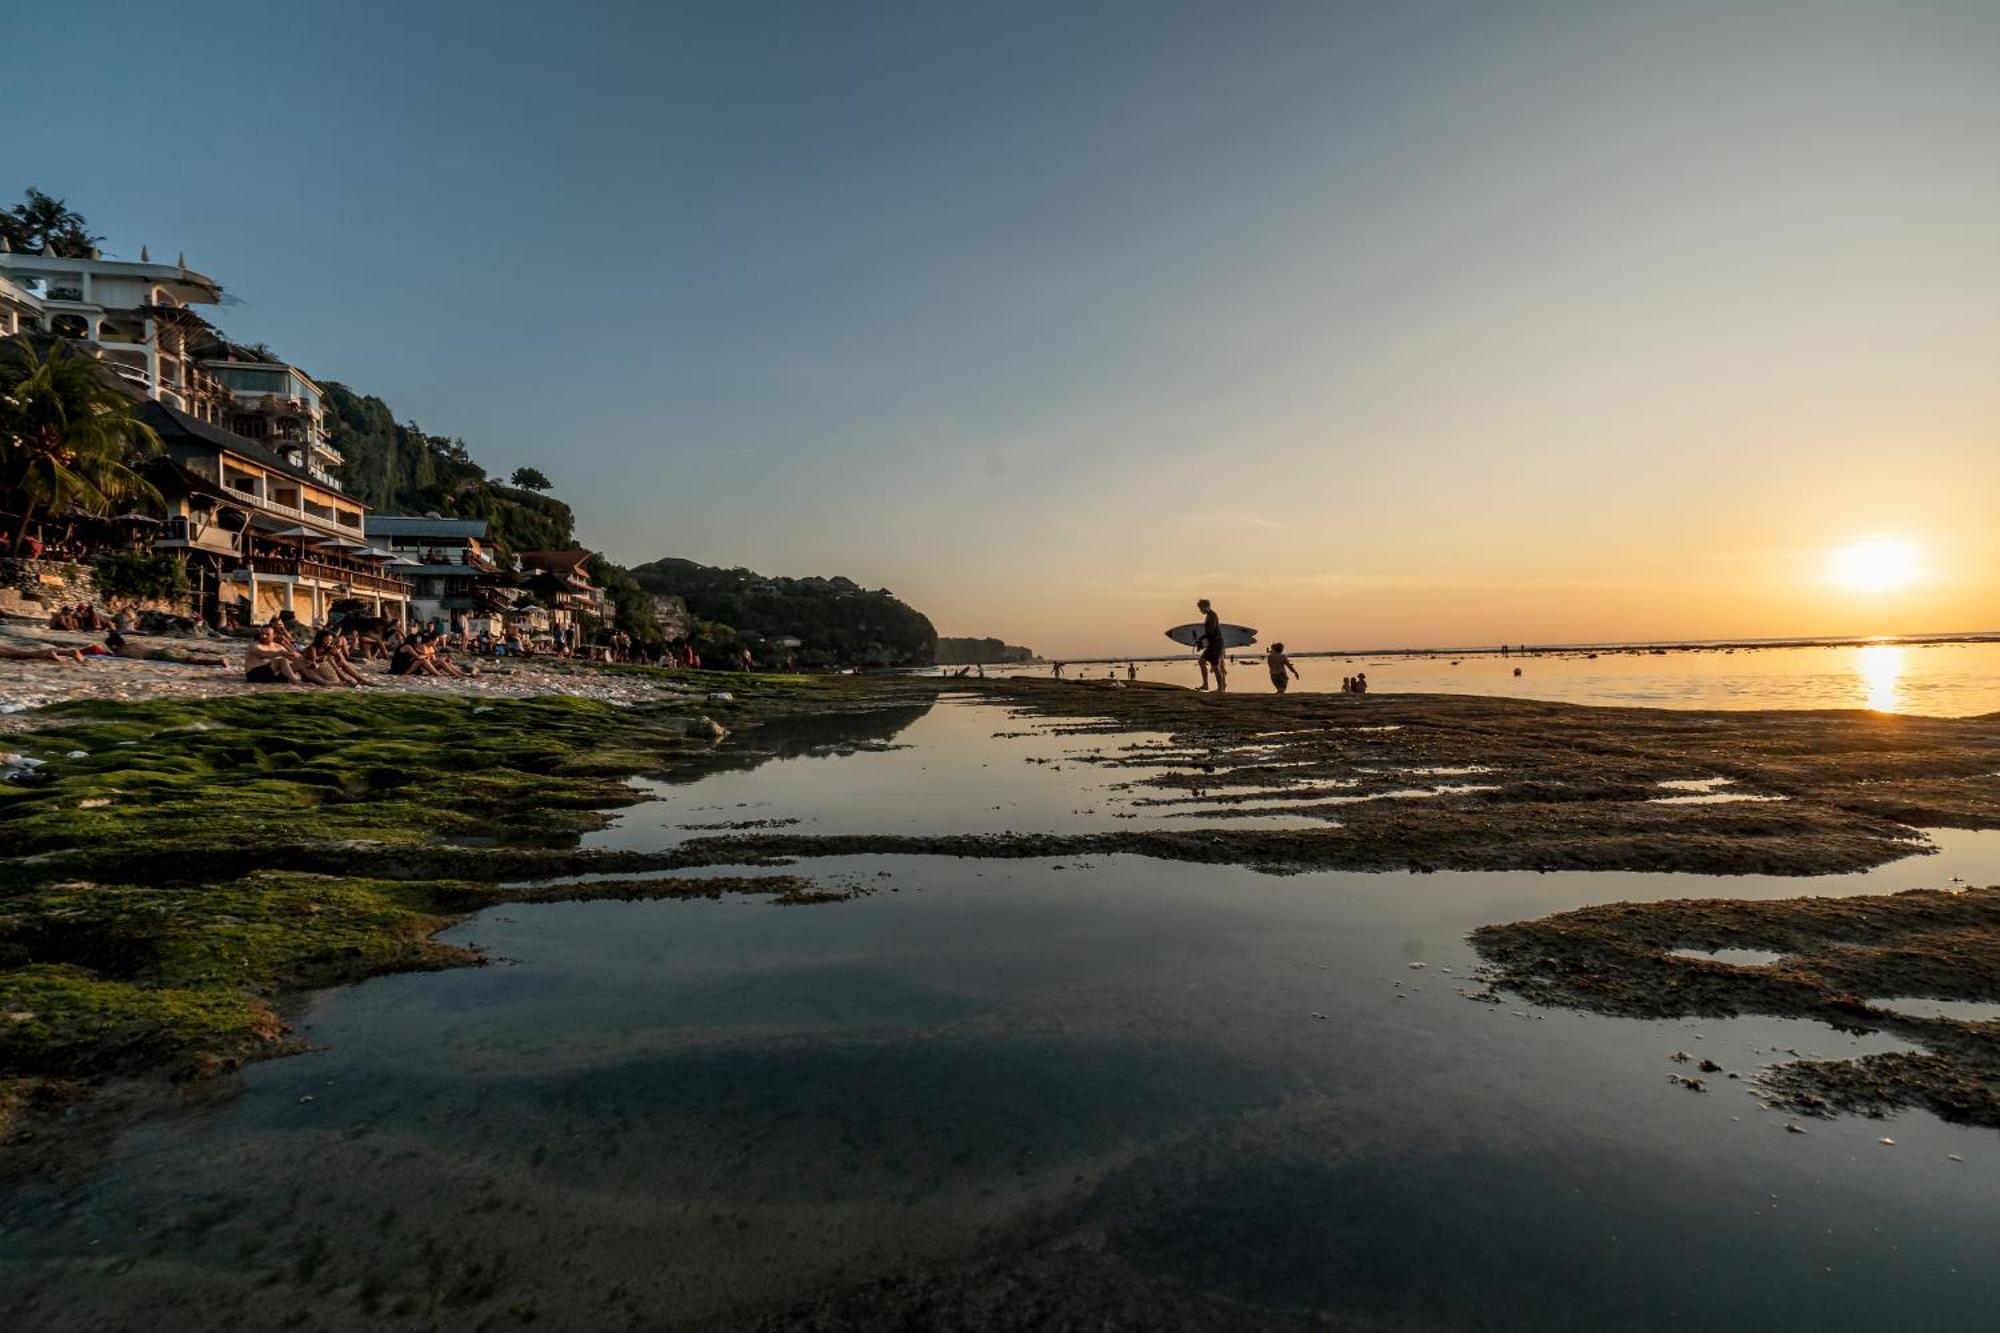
[
  {"x": 1734, "y": 957},
  {"x": 1965, "y": 1011},
  {"x": 1714, "y": 798}
]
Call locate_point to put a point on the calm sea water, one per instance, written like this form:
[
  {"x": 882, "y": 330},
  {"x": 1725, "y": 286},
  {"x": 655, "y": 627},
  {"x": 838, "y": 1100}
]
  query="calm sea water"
[
  {"x": 649, "y": 1114},
  {"x": 1941, "y": 680}
]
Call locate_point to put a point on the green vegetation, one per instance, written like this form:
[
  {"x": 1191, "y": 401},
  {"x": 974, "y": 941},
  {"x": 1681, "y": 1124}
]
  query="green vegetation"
[
  {"x": 400, "y": 468},
  {"x": 837, "y": 621},
  {"x": 67, "y": 437},
  {"x": 43, "y": 222},
  {"x": 176, "y": 866},
  {"x": 632, "y": 606},
  {"x": 966, "y": 652},
  {"x": 131, "y": 576}
]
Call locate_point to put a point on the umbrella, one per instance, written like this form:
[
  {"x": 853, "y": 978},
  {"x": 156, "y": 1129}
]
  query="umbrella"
[
  {"x": 341, "y": 543},
  {"x": 136, "y": 518}
]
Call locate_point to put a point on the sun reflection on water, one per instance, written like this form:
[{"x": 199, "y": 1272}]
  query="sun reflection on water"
[{"x": 1880, "y": 666}]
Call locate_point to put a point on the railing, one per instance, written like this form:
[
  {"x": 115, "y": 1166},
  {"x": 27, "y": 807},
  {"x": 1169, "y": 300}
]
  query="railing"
[
  {"x": 335, "y": 571},
  {"x": 459, "y": 556},
  {"x": 289, "y": 511},
  {"x": 210, "y": 538}
]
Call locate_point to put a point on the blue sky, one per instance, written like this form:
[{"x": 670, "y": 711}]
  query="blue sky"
[{"x": 1386, "y": 323}]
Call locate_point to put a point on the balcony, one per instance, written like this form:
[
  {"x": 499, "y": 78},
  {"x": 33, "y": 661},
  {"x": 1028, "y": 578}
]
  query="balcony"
[
  {"x": 180, "y": 535},
  {"x": 330, "y": 571},
  {"x": 295, "y": 512}
]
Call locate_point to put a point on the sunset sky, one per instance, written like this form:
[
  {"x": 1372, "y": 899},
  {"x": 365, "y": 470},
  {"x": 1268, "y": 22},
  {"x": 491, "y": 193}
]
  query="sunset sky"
[{"x": 1378, "y": 324}]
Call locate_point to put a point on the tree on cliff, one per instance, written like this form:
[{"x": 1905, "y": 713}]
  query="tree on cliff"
[
  {"x": 43, "y": 220},
  {"x": 532, "y": 479}
]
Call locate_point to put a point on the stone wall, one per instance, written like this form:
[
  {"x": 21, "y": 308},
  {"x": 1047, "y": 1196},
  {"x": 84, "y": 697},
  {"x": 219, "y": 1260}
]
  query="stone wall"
[{"x": 34, "y": 588}]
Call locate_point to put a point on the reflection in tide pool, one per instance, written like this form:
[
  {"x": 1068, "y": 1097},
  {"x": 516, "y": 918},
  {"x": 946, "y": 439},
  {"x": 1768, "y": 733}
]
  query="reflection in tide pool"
[{"x": 1213, "y": 1084}]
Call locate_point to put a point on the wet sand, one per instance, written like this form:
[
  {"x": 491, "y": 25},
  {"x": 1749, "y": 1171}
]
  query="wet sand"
[
  {"x": 1431, "y": 782},
  {"x": 1847, "y": 962},
  {"x": 1007, "y": 1079}
]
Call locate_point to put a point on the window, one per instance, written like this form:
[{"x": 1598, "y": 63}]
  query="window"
[{"x": 252, "y": 380}]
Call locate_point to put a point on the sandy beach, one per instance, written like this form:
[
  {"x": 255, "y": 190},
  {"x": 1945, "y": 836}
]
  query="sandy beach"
[{"x": 30, "y": 685}]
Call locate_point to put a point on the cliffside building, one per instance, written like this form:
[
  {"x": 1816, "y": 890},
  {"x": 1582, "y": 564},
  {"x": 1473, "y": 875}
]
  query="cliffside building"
[
  {"x": 277, "y": 405},
  {"x": 560, "y": 582},
  {"x": 139, "y": 319},
  {"x": 262, "y": 535},
  {"x": 455, "y": 579}
]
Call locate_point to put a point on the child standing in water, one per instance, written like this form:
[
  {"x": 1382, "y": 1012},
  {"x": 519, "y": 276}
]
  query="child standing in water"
[{"x": 1279, "y": 664}]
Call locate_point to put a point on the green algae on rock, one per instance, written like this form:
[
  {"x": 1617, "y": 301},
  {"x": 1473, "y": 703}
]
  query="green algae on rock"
[{"x": 178, "y": 867}]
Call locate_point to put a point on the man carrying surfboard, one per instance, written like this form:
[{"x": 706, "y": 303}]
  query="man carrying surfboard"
[{"x": 1211, "y": 647}]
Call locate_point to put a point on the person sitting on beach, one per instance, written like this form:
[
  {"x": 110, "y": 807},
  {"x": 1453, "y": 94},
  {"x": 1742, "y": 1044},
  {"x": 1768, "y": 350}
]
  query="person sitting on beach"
[
  {"x": 1279, "y": 664},
  {"x": 438, "y": 649},
  {"x": 413, "y": 658},
  {"x": 1361, "y": 682},
  {"x": 267, "y": 662},
  {"x": 1347, "y": 684},
  {"x": 1210, "y": 643},
  {"x": 325, "y": 664}
]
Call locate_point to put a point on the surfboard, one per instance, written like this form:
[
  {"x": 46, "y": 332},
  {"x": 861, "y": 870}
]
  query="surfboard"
[{"x": 1233, "y": 636}]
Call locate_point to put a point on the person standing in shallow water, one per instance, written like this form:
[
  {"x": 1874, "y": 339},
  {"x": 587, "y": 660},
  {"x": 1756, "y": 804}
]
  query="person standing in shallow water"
[
  {"x": 1275, "y": 659},
  {"x": 1210, "y": 644}
]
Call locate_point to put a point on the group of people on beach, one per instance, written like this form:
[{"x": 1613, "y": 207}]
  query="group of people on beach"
[
  {"x": 1214, "y": 650},
  {"x": 286, "y": 651},
  {"x": 1213, "y": 646},
  {"x": 275, "y": 657}
]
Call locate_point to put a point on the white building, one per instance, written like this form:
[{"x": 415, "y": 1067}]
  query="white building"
[
  {"x": 138, "y": 316},
  {"x": 278, "y": 406},
  {"x": 139, "y": 319},
  {"x": 20, "y": 310}
]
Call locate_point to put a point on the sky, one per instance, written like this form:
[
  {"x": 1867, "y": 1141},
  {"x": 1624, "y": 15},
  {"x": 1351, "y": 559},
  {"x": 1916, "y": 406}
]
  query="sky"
[{"x": 1379, "y": 324}]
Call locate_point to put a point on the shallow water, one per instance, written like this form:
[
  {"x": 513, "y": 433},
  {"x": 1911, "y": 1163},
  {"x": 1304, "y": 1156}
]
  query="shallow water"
[
  {"x": 646, "y": 1114},
  {"x": 1940, "y": 680}
]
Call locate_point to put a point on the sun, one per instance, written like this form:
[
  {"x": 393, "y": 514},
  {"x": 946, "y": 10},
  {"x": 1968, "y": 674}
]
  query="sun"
[{"x": 1879, "y": 564}]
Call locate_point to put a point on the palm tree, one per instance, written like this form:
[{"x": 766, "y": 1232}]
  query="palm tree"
[
  {"x": 66, "y": 435},
  {"x": 45, "y": 221}
]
